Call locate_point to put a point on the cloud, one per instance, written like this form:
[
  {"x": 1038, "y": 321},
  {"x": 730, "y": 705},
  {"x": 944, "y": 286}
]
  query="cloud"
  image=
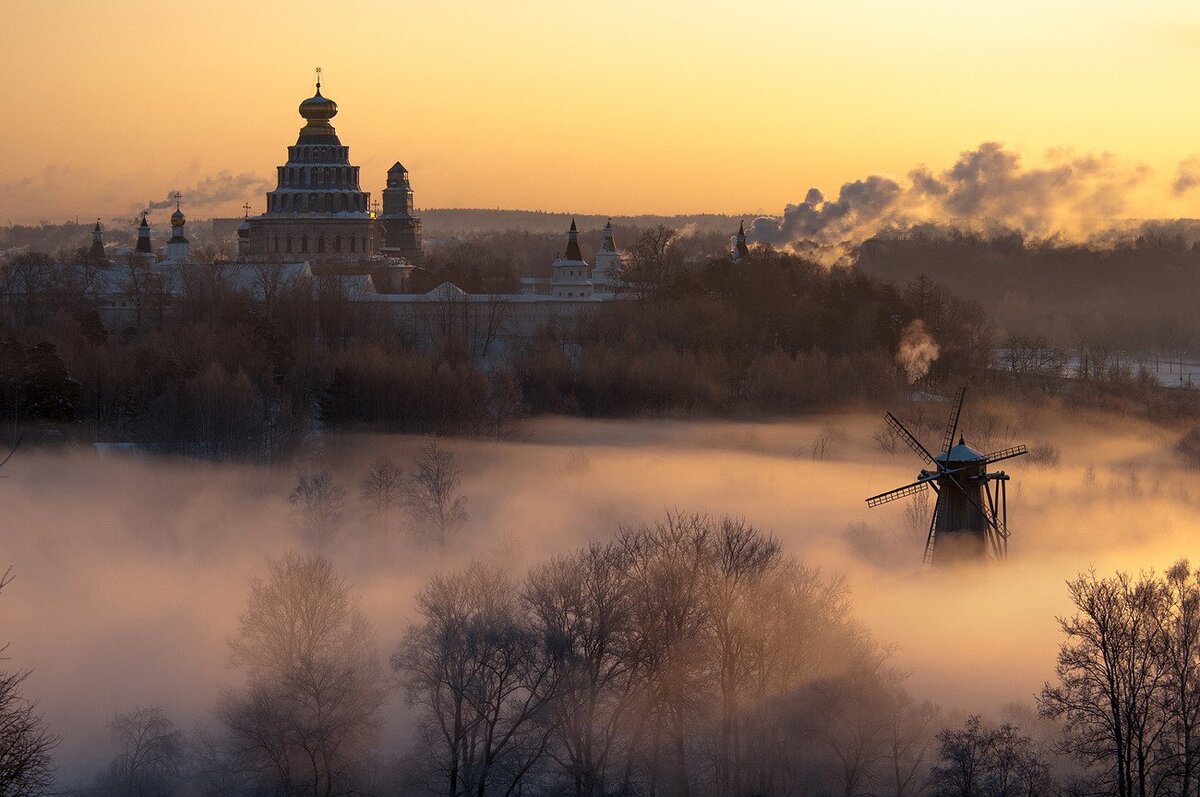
[{"x": 986, "y": 188}]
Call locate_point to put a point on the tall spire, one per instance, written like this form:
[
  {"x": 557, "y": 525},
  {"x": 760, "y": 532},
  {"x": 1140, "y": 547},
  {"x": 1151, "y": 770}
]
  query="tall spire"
[
  {"x": 740, "y": 249},
  {"x": 143, "y": 239},
  {"x": 608, "y": 243},
  {"x": 573, "y": 252},
  {"x": 96, "y": 252}
]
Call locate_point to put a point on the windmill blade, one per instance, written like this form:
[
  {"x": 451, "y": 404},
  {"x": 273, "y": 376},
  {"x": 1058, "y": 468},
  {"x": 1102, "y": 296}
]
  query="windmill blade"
[
  {"x": 1007, "y": 453},
  {"x": 908, "y": 437},
  {"x": 952, "y": 426},
  {"x": 932, "y": 535},
  {"x": 900, "y": 492}
]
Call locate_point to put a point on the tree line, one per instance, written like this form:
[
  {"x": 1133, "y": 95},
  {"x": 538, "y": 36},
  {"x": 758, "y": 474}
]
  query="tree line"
[{"x": 213, "y": 374}]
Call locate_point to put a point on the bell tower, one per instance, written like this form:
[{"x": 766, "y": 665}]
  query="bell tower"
[{"x": 401, "y": 229}]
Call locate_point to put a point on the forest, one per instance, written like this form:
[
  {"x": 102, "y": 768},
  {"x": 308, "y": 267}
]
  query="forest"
[{"x": 216, "y": 375}]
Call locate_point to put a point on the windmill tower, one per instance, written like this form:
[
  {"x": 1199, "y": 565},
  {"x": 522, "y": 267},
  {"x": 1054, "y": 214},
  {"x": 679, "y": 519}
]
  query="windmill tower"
[{"x": 970, "y": 515}]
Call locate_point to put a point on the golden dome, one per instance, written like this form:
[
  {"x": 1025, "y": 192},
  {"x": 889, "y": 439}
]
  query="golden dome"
[
  {"x": 177, "y": 218},
  {"x": 318, "y": 108}
]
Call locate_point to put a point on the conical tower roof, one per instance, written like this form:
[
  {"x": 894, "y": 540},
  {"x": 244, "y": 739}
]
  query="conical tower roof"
[{"x": 573, "y": 252}]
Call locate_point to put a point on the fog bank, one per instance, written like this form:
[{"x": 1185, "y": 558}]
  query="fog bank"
[{"x": 131, "y": 572}]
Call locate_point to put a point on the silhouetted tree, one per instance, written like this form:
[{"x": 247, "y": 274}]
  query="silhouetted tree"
[
  {"x": 977, "y": 761},
  {"x": 651, "y": 263},
  {"x": 320, "y": 506},
  {"x": 308, "y": 711},
  {"x": 383, "y": 488},
  {"x": 432, "y": 491},
  {"x": 151, "y": 754},
  {"x": 26, "y": 744},
  {"x": 485, "y": 680},
  {"x": 1110, "y": 680}
]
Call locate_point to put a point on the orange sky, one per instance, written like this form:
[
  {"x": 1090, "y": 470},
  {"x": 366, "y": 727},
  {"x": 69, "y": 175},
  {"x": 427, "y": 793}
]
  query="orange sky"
[{"x": 615, "y": 107}]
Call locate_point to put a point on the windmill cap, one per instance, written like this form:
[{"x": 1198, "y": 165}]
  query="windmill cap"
[{"x": 960, "y": 453}]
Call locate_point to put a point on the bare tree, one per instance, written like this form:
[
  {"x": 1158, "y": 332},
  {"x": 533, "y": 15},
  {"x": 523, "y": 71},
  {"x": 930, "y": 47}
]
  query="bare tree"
[
  {"x": 909, "y": 733},
  {"x": 383, "y": 488},
  {"x": 651, "y": 263},
  {"x": 584, "y": 603},
  {"x": 1109, "y": 681},
  {"x": 964, "y": 759},
  {"x": 978, "y": 761},
  {"x": 485, "y": 680},
  {"x": 1178, "y": 630},
  {"x": 269, "y": 282},
  {"x": 26, "y": 744},
  {"x": 150, "y": 758},
  {"x": 432, "y": 492},
  {"x": 309, "y": 708},
  {"x": 320, "y": 506}
]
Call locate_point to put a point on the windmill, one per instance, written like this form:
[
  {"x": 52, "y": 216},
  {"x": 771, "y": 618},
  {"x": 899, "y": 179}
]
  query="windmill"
[{"x": 971, "y": 511}]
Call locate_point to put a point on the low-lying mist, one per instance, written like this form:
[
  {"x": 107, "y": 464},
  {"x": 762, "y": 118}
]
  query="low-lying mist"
[{"x": 130, "y": 573}]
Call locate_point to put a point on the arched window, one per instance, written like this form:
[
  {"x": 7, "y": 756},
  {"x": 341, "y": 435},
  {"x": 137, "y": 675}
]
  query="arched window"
[
  {"x": 303, "y": 243},
  {"x": 337, "y": 243},
  {"x": 276, "y": 249},
  {"x": 289, "y": 244},
  {"x": 300, "y": 203},
  {"x": 353, "y": 244},
  {"x": 321, "y": 244}
]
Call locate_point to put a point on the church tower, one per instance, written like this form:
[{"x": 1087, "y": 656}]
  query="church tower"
[
  {"x": 143, "y": 246},
  {"x": 570, "y": 279},
  {"x": 740, "y": 249},
  {"x": 177, "y": 246},
  {"x": 401, "y": 229},
  {"x": 96, "y": 252},
  {"x": 608, "y": 262}
]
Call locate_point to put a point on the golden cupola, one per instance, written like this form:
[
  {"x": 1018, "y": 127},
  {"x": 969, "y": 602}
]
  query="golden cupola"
[{"x": 317, "y": 110}]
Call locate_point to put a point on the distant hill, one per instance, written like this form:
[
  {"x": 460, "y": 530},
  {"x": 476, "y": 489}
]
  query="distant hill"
[{"x": 449, "y": 221}]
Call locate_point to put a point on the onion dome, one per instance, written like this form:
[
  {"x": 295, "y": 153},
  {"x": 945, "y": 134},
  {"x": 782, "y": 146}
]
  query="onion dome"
[
  {"x": 317, "y": 110},
  {"x": 177, "y": 218}
]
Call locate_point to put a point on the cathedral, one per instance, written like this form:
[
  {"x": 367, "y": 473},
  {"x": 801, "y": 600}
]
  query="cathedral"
[
  {"x": 318, "y": 213},
  {"x": 320, "y": 225}
]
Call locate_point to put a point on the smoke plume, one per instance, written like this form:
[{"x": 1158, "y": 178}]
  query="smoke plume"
[
  {"x": 987, "y": 188},
  {"x": 917, "y": 351},
  {"x": 215, "y": 189},
  {"x": 1187, "y": 176}
]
